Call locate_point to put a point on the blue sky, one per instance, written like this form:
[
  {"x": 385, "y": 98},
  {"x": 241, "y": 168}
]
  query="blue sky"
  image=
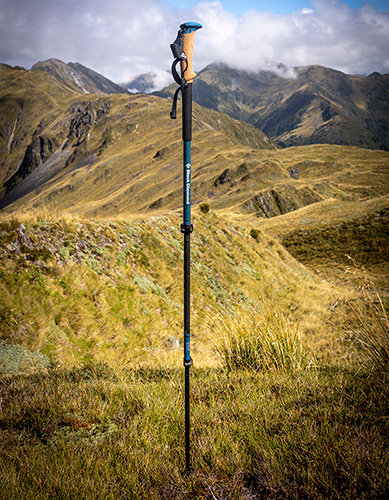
[
  {"x": 124, "y": 38},
  {"x": 279, "y": 7}
]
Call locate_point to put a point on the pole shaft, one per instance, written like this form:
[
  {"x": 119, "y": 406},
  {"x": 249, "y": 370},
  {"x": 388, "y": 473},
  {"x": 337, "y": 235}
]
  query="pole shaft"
[
  {"x": 187, "y": 229},
  {"x": 187, "y": 358},
  {"x": 187, "y": 182},
  {"x": 187, "y": 297}
]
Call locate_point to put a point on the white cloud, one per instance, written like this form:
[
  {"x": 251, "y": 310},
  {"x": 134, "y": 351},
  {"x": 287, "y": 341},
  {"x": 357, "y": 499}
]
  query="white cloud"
[
  {"x": 333, "y": 35},
  {"x": 122, "y": 38},
  {"x": 119, "y": 38}
]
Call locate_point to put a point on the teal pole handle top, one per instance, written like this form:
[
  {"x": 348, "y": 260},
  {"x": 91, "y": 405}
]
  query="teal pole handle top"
[{"x": 189, "y": 27}]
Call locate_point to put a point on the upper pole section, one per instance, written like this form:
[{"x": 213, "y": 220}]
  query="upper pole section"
[{"x": 188, "y": 31}]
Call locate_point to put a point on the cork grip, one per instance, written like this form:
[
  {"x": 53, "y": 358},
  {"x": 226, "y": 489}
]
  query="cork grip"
[{"x": 188, "y": 42}]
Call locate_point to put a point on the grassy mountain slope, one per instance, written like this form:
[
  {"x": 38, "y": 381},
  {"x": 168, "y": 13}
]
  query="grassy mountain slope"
[
  {"x": 32, "y": 100},
  {"x": 272, "y": 183},
  {"x": 26, "y": 98},
  {"x": 316, "y": 105},
  {"x": 349, "y": 218},
  {"x": 109, "y": 291},
  {"x": 119, "y": 155},
  {"x": 105, "y": 155}
]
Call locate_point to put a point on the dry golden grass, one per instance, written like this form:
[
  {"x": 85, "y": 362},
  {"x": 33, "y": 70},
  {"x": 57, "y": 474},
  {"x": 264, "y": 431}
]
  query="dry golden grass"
[{"x": 112, "y": 290}]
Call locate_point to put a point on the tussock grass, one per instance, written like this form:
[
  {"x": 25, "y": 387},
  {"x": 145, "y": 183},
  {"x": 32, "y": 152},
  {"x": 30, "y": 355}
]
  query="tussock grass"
[
  {"x": 260, "y": 338},
  {"x": 82, "y": 290},
  {"x": 367, "y": 327},
  {"x": 94, "y": 432}
]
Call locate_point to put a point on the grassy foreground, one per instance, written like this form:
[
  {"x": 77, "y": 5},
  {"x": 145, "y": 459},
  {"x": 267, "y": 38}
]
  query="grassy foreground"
[
  {"x": 92, "y": 433},
  {"x": 281, "y": 409}
]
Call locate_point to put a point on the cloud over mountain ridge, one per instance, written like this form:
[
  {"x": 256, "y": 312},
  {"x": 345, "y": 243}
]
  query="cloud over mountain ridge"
[{"x": 123, "y": 39}]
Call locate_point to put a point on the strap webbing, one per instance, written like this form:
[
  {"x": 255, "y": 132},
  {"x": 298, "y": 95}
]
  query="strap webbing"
[{"x": 181, "y": 82}]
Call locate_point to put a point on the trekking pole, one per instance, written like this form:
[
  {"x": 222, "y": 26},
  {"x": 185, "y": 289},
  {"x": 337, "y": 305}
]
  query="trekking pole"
[{"x": 182, "y": 49}]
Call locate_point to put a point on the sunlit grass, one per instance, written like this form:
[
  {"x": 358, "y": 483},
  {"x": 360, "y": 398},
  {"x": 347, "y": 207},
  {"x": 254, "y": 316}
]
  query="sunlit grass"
[
  {"x": 263, "y": 339},
  {"x": 95, "y": 432},
  {"x": 81, "y": 290},
  {"x": 367, "y": 327}
]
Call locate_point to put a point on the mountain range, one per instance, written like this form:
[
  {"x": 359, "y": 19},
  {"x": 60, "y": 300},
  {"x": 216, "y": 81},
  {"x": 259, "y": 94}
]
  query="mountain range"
[
  {"x": 103, "y": 153},
  {"x": 292, "y": 106},
  {"x": 297, "y": 106}
]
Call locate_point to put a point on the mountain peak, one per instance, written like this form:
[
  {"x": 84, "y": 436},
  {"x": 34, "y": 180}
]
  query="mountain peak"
[
  {"x": 48, "y": 62},
  {"x": 79, "y": 77}
]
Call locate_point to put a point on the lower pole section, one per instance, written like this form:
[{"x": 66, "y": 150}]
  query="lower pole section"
[
  {"x": 187, "y": 420},
  {"x": 187, "y": 229}
]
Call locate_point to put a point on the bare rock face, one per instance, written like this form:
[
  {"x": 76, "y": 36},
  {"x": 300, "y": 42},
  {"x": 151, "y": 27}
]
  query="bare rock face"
[
  {"x": 223, "y": 178},
  {"x": 39, "y": 150},
  {"x": 86, "y": 114},
  {"x": 282, "y": 200}
]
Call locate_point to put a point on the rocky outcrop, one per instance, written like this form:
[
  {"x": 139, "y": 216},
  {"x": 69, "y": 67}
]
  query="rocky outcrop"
[
  {"x": 223, "y": 178},
  {"x": 84, "y": 115},
  {"x": 280, "y": 201},
  {"x": 39, "y": 150},
  {"x": 81, "y": 117}
]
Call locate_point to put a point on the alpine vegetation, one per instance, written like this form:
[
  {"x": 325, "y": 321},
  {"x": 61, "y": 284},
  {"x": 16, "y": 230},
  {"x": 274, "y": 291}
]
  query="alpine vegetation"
[{"x": 261, "y": 339}]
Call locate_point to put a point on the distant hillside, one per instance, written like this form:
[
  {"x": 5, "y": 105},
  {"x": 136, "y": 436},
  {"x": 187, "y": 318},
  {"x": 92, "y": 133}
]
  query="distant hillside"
[
  {"x": 319, "y": 105},
  {"x": 79, "y": 77},
  {"x": 104, "y": 154}
]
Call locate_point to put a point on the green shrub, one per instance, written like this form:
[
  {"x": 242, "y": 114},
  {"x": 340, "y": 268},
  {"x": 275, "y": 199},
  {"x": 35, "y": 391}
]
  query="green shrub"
[
  {"x": 254, "y": 233},
  {"x": 204, "y": 207}
]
